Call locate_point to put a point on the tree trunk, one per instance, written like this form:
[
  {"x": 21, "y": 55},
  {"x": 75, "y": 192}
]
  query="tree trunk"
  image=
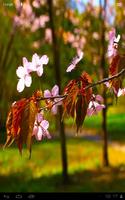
[
  {"x": 103, "y": 75},
  {"x": 56, "y": 58},
  {"x": 104, "y": 130}
]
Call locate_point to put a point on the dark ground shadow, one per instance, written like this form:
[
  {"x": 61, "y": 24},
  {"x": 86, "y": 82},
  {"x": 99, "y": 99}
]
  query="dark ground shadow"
[{"x": 101, "y": 180}]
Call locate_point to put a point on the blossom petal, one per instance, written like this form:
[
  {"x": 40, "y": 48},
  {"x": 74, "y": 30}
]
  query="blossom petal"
[
  {"x": 59, "y": 100},
  {"x": 90, "y": 111},
  {"x": 100, "y": 107},
  {"x": 94, "y": 107},
  {"x": 39, "y": 117},
  {"x": 20, "y": 85},
  {"x": 20, "y": 72},
  {"x": 70, "y": 68},
  {"x": 111, "y": 50},
  {"x": 112, "y": 34},
  {"x": 44, "y": 60},
  {"x": 25, "y": 61},
  {"x": 117, "y": 39},
  {"x": 107, "y": 84},
  {"x": 47, "y": 134},
  {"x": 113, "y": 42},
  {"x": 90, "y": 104},
  {"x": 75, "y": 60},
  {"x": 54, "y": 109},
  {"x": 55, "y": 90},
  {"x": 80, "y": 54},
  {"x": 28, "y": 80},
  {"x": 99, "y": 98},
  {"x": 30, "y": 67},
  {"x": 121, "y": 92},
  {"x": 47, "y": 93},
  {"x": 95, "y": 104},
  {"x": 35, "y": 60},
  {"x": 45, "y": 124},
  {"x": 39, "y": 134},
  {"x": 39, "y": 70}
]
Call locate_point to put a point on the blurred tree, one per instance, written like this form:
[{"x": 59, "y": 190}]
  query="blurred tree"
[
  {"x": 56, "y": 59},
  {"x": 104, "y": 74}
]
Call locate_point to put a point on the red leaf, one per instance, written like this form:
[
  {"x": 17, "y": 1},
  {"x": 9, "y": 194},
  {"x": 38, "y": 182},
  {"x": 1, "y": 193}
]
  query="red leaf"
[
  {"x": 113, "y": 69},
  {"x": 81, "y": 109},
  {"x": 20, "y": 122},
  {"x": 78, "y": 98},
  {"x": 117, "y": 64},
  {"x": 83, "y": 99},
  {"x": 13, "y": 121},
  {"x": 26, "y": 125},
  {"x": 69, "y": 102}
]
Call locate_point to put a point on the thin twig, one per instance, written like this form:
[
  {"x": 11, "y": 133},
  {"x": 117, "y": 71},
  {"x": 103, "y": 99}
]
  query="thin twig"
[
  {"x": 87, "y": 87},
  {"x": 44, "y": 108},
  {"x": 105, "y": 80},
  {"x": 52, "y": 98}
]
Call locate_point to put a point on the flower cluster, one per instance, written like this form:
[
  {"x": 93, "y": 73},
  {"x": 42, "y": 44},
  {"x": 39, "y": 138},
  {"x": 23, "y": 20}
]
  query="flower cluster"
[
  {"x": 41, "y": 125},
  {"x": 40, "y": 129},
  {"x": 95, "y": 105},
  {"x": 24, "y": 72},
  {"x": 113, "y": 43},
  {"x": 56, "y": 101},
  {"x": 27, "y": 17}
]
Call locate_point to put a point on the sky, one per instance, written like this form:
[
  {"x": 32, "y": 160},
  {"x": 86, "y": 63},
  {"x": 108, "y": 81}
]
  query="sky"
[{"x": 79, "y": 3}]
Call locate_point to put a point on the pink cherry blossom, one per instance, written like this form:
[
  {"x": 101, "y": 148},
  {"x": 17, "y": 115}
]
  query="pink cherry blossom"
[
  {"x": 99, "y": 98},
  {"x": 75, "y": 60},
  {"x": 108, "y": 85},
  {"x": 18, "y": 5},
  {"x": 121, "y": 92},
  {"x": 37, "y": 63},
  {"x": 113, "y": 43},
  {"x": 36, "y": 3},
  {"x": 39, "y": 22},
  {"x": 24, "y": 76},
  {"x": 43, "y": 19},
  {"x": 95, "y": 105},
  {"x": 48, "y": 35},
  {"x": 28, "y": 9},
  {"x": 57, "y": 101},
  {"x": 23, "y": 72},
  {"x": 35, "y": 25},
  {"x": 17, "y": 21},
  {"x": 40, "y": 129}
]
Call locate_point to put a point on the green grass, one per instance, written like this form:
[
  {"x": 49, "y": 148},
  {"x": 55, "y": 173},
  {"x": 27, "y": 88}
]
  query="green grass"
[
  {"x": 43, "y": 172},
  {"x": 115, "y": 124}
]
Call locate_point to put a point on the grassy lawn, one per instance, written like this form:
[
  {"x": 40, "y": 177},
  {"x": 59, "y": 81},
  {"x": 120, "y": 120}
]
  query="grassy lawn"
[
  {"x": 43, "y": 172},
  {"x": 115, "y": 123}
]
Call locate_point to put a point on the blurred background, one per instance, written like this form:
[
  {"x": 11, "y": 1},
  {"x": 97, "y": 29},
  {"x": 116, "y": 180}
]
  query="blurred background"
[{"x": 93, "y": 161}]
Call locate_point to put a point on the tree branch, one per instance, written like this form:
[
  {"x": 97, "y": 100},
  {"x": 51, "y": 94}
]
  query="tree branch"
[
  {"x": 86, "y": 88},
  {"x": 52, "y": 98},
  {"x": 56, "y": 102},
  {"x": 105, "y": 80}
]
